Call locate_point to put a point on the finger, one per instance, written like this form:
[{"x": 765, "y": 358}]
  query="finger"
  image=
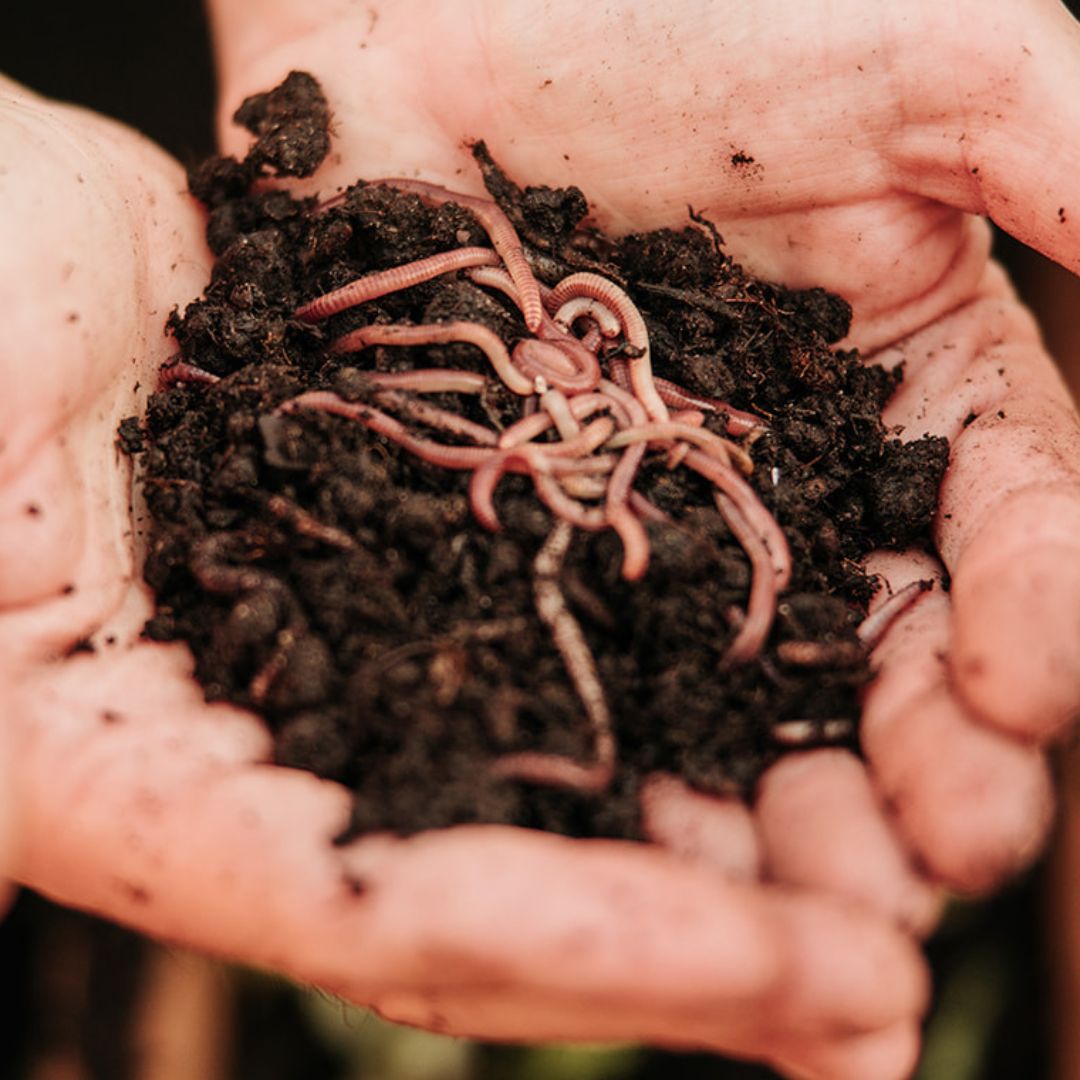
[
  {"x": 972, "y": 803},
  {"x": 1002, "y": 145},
  {"x": 1009, "y": 518},
  {"x": 823, "y": 828},
  {"x": 886, "y": 1055},
  {"x": 147, "y": 807},
  {"x": 709, "y": 831},
  {"x": 575, "y": 1001}
]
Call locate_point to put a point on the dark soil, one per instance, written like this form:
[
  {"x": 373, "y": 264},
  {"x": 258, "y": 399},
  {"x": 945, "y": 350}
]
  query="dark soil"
[{"x": 389, "y": 641}]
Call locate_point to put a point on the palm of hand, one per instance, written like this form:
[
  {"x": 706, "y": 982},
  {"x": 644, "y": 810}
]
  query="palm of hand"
[
  {"x": 830, "y": 151},
  {"x": 146, "y": 818}
]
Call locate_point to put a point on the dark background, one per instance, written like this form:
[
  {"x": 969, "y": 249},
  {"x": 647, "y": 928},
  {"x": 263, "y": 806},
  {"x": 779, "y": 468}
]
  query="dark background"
[{"x": 68, "y": 981}]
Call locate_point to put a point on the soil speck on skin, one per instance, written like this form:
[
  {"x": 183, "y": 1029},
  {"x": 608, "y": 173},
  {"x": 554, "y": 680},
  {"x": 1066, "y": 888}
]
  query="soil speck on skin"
[
  {"x": 355, "y": 886},
  {"x": 342, "y": 588}
]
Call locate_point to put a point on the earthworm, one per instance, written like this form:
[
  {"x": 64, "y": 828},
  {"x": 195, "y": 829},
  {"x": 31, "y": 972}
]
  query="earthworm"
[
  {"x": 579, "y": 307},
  {"x": 447, "y": 457},
  {"x": 429, "y": 381},
  {"x": 678, "y": 397},
  {"x": 551, "y": 769},
  {"x": 500, "y": 230},
  {"x": 611, "y": 296},
  {"x": 738, "y": 422},
  {"x": 712, "y": 444},
  {"x": 384, "y": 282},
  {"x": 434, "y": 417},
  {"x": 821, "y": 653},
  {"x": 592, "y": 338},
  {"x": 761, "y": 607},
  {"x": 622, "y": 519},
  {"x": 752, "y": 509},
  {"x": 177, "y": 371},
  {"x": 812, "y": 732},
  {"x": 584, "y": 487},
  {"x": 457, "y": 330},
  {"x": 633, "y": 408},
  {"x": 647, "y": 510},
  {"x": 580, "y": 363},
  {"x": 542, "y": 359},
  {"x": 536, "y": 423},
  {"x": 679, "y": 451},
  {"x": 873, "y": 628},
  {"x": 306, "y": 524},
  {"x": 565, "y": 507},
  {"x": 540, "y": 463},
  {"x": 554, "y": 403}
]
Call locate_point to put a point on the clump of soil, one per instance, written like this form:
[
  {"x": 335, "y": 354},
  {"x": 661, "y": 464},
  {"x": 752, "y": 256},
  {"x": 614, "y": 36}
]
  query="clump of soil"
[{"x": 342, "y": 588}]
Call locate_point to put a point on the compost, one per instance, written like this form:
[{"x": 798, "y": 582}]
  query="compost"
[{"x": 545, "y": 512}]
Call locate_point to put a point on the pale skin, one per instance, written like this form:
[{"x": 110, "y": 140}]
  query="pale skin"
[{"x": 876, "y": 130}]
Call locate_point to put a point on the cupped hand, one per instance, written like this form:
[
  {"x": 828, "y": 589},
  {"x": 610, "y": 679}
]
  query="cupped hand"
[
  {"x": 129, "y": 796},
  {"x": 855, "y": 146},
  {"x": 873, "y": 134}
]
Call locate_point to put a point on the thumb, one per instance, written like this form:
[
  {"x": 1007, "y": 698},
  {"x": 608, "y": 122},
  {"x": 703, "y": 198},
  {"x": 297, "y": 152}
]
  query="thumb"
[{"x": 991, "y": 122}]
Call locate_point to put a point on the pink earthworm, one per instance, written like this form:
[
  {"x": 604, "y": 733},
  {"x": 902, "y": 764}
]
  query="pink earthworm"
[
  {"x": 584, "y": 487},
  {"x": 539, "y": 463},
  {"x": 630, "y": 404},
  {"x": 676, "y": 454},
  {"x": 307, "y": 524},
  {"x": 434, "y": 417},
  {"x": 750, "y": 507},
  {"x": 810, "y": 653},
  {"x": 580, "y": 307},
  {"x": 541, "y": 358},
  {"x": 580, "y": 363},
  {"x": 569, "y": 641},
  {"x": 738, "y": 422},
  {"x": 622, "y": 519},
  {"x": 384, "y": 282},
  {"x": 178, "y": 371},
  {"x": 536, "y": 423},
  {"x": 622, "y": 513},
  {"x": 592, "y": 338},
  {"x": 565, "y": 507},
  {"x": 693, "y": 417},
  {"x": 447, "y": 457},
  {"x": 713, "y": 445},
  {"x": 495, "y": 277},
  {"x": 812, "y": 732},
  {"x": 537, "y": 460},
  {"x": 500, "y": 230},
  {"x": 647, "y": 510},
  {"x": 554, "y": 403},
  {"x": 458, "y": 330},
  {"x": 429, "y": 381},
  {"x": 761, "y": 607},
  {"x": 873, "y": 628},
  {"x": 611, "y": 296}
]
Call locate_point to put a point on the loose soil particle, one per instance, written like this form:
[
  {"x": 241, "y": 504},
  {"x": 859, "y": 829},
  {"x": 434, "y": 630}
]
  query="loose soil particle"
[{"x": 390, "y": 642}]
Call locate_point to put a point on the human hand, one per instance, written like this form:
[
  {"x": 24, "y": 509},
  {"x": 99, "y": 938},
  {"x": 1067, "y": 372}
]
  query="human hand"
[
  {"x": 847, "y": 147},
  {"x": 421, "y": 129},
  {"x": 842, "y": 146},
  {"x": 132, "y": 798}
]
